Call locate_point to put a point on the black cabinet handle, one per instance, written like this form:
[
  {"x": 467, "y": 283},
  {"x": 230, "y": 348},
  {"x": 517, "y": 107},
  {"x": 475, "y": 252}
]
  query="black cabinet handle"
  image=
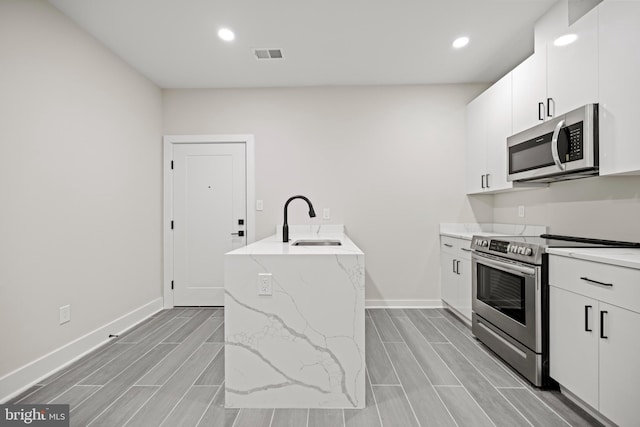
[
  {"x": 482, "y": 180},
  {"x": 448, "y": 245},
  {"x": 453, "y": 267},
  {"x": 586, "y": 318},
  {"x": 586, "y": 279},
  {"x": 487, "y": 179},
  {"x": 457, "y": 267},
  {"x": 549, "y": 101},
  {"x": 602, "y": 335},
  {"x": 540, "y": 111}
]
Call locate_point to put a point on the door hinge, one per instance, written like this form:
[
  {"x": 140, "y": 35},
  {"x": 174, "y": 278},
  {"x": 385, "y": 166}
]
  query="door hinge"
[
  {"x": 172, "y": 225},
  {"x": 172, "y": 284},
  {"x": 171, "y": 164}
]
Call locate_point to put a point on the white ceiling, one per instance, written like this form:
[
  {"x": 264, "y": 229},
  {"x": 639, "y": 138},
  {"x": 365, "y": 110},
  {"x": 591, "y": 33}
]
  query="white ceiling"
[{"x": 325, "y": 42}]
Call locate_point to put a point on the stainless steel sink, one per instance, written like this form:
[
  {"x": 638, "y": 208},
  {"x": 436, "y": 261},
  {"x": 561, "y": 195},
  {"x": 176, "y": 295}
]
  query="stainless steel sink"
[{"x": 317, "y": 243}]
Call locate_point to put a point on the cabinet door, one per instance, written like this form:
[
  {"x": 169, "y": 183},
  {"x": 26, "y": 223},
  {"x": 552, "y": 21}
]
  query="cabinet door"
[
  {"x": 572, "y": 70},
  {"x": 619, "y": 32},
  {"x": 476, "y": 137},
  {"x": 498, "y": 129},
  {"x": 573, "y": 351},
  {"x": 529, "y": 89},
  {"x": 619, "y": 367},
  {"x": 464, "y": 288},
  {"x": 448, "y": 279}
]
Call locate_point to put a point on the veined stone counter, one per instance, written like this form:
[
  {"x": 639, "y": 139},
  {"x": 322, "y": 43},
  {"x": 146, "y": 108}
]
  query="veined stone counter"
[{"x": 302, "y": 346}]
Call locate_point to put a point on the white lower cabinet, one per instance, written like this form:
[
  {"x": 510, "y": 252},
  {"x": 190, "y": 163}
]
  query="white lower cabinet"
[
  {"x": 594, "y": 335},
  {"x": 573, "y": 343},
  {"x": 620, "y": 365},
  {"x": 455, "y": 273},
  {"x": 449, "y": 279}
]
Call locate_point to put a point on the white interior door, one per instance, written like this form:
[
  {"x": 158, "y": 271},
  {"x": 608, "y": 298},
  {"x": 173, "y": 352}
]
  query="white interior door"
[{"x": 209, "y": 202}]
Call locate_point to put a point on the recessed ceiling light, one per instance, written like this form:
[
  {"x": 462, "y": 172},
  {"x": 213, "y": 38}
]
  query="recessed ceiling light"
[
  {"x": 460, "y": 42},
  {"x": 226, "y": 34},
  {"x": 565, "y": 40}
]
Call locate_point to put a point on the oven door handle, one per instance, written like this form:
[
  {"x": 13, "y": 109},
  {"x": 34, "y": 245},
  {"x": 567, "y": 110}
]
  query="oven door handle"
[
  {"x": 519, "y": 270},
  {"x": 554, "y": 145}
]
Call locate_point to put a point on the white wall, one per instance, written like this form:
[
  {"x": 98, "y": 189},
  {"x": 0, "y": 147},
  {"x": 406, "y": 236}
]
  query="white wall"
[
  {"x": 80, "y": 183},
  {"x": 387, "y": 161},
  {"x": 600, "y": 207}
]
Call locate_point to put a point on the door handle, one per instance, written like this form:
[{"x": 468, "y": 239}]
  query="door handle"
[
  {"x": 541, "y": 111},
  {"x": 602, "y": 335},
  {"x": 549, "y": 102},
  {"x": 554, "y": 145},
  {"x": 586, "y": 318},
  {"x": 239, "y": 233}
]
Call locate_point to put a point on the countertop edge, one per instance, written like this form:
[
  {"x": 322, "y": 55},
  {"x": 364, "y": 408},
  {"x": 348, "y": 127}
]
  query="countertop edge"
[{"x": 621, "y": 257}]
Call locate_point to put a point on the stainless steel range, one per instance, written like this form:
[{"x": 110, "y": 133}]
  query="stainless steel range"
[{"x": 510, "y": 298}]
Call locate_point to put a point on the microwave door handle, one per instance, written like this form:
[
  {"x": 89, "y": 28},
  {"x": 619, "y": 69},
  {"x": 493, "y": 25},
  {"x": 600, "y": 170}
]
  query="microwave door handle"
[{"x": 554, "y": 145}]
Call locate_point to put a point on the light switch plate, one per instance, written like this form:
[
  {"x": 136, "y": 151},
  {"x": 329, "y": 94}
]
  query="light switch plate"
[
  {"x": 326, "y": 213},
  {"x": 259, "y": 205},
  {"x": 521, "y": 211}
]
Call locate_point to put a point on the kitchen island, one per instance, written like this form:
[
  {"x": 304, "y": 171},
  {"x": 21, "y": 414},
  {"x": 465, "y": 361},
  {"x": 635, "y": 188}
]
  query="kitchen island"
[{"x": 294, "y": 322}]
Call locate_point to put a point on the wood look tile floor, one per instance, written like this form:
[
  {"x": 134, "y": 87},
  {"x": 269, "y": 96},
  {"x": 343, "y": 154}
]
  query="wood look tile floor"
[{"x": 424, "y": 368}]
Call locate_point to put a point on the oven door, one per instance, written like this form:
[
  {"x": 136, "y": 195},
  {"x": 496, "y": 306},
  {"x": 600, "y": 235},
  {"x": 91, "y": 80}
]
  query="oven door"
[{"x": 507, "y": 294}]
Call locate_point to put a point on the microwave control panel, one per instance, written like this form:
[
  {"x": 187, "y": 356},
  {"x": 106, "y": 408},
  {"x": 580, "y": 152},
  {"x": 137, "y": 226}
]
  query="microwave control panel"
[{"x": 574, "y": 142}]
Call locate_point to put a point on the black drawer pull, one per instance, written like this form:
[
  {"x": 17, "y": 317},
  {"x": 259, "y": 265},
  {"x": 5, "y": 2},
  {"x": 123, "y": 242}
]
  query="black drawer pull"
[
  {"x": 602, "y": 335},
  {"x": 586, "y": 318},
  {"x": 448, "y": 245},
  {"x": 596, "y": 282}
]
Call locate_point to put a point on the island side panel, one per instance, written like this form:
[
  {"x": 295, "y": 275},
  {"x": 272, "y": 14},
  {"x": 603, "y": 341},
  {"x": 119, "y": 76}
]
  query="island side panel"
[{"x": 303, "y": 346}]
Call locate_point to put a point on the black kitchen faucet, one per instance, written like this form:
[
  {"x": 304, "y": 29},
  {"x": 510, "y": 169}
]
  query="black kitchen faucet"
[{"x": 285, "y": 226}]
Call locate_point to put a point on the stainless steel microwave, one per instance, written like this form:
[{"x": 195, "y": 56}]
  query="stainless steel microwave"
[{"x": 559, "y": 149}]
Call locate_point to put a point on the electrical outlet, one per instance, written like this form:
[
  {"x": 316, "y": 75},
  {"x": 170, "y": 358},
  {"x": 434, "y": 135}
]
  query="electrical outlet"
[
  {"x": 326, "y": 213},
  {"x": 259, "y": 205},
  {"x": 65, "y": 314},
  {"x": 521, "y": 211},
  {"x": 265, "y": 286}
]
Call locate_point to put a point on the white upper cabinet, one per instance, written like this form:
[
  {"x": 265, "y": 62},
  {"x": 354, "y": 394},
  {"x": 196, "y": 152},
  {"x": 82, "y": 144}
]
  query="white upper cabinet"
[
  {"x": 488, "y": 126},
  {"x": 557, "y": 78},
  {"x": 529, "y": 92},
  {"x": 476, "y": 145},
  {"x": 572, "y": 69},
  {"x": 619, "y": 38}
]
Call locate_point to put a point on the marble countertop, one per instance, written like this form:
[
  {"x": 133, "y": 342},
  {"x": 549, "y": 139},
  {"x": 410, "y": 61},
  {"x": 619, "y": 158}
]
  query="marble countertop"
[
  {"x": 273, "y": 245},
  {"x": 615, "y": 256},
  {"x": 468, "y": 230}
]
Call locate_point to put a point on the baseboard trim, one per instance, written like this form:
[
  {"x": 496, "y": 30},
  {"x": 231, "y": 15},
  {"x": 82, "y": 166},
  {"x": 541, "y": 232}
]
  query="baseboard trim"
[
  {"x": 403, "y": 303},
  {"x": 30, "y": 374}
]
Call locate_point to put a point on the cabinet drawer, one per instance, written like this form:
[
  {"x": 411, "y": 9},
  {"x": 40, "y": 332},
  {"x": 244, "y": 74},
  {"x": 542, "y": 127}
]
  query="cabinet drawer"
[
  {"x": 582, "y": 277},
  {"x": 460, "y": 248}
]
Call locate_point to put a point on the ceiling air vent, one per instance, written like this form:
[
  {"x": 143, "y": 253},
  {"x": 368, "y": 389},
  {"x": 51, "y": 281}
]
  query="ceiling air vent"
[{"x": 268, "y": 53}]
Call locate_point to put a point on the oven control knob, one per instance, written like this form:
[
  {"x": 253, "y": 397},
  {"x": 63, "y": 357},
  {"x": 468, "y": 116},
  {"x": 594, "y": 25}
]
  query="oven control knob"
[
  {"x": 482, "y": 243},
  {"x": 528, "y": 251},
  {"x": 521, "y": 250}
]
